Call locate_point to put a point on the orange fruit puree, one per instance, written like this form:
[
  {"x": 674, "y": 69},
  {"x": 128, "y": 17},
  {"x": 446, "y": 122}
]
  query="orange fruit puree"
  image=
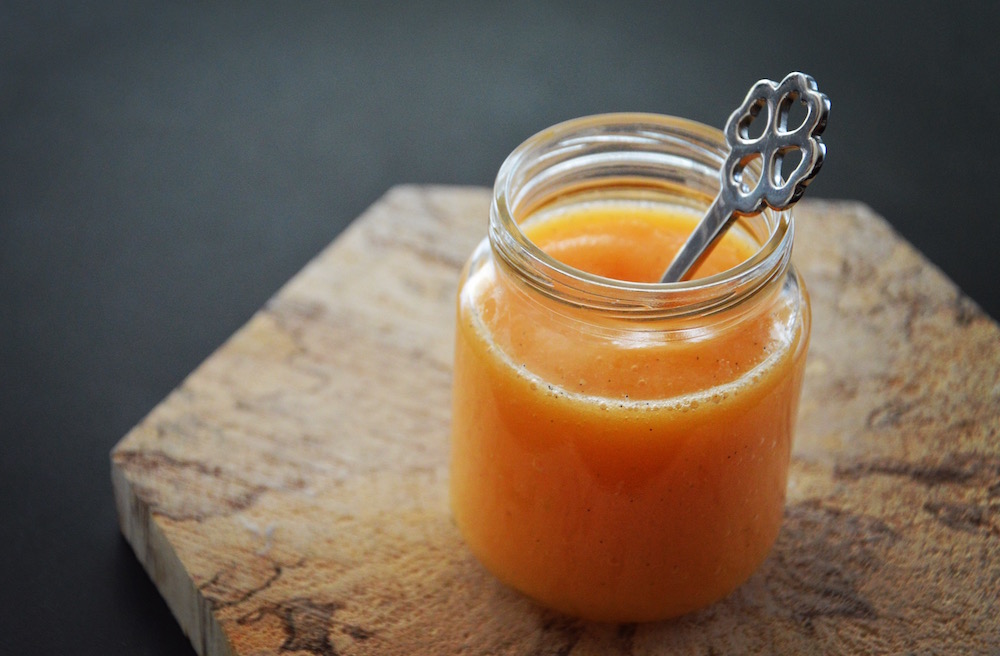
[{"x": 620, "y": 474}]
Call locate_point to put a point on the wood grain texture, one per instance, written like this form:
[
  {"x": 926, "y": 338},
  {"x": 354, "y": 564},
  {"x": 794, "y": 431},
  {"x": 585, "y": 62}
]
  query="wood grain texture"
[{"x": 290, "y": 497}]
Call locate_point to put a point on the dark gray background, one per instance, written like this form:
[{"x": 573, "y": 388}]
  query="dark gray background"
[{"x": 166, "y": 166}]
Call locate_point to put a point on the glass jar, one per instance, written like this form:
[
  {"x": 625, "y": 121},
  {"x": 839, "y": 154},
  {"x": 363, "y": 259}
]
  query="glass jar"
[{"x": 620, "y": 448}]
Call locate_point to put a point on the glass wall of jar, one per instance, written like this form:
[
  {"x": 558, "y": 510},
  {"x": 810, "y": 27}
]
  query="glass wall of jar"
[{"x": 620, "y": 446}]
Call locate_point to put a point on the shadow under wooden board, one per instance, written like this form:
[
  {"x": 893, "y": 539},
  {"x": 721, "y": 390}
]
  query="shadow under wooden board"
[{"x": 290, "y": 497}]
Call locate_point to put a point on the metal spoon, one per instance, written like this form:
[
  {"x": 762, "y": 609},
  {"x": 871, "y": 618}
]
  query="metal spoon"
[{"x": 736, "y": 197}]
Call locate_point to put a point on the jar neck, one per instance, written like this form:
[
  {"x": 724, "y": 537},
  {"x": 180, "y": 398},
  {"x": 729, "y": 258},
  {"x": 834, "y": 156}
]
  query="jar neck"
[{"x": 647, "y": 156}]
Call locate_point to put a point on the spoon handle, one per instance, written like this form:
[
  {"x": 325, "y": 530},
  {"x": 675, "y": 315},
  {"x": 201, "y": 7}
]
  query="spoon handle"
[
  {"x": 696, "y": 246},
  {"x": 766, "y": 185}
]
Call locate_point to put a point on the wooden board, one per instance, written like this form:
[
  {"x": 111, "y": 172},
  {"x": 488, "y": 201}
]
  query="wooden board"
[{"x": 290, "y": 497}]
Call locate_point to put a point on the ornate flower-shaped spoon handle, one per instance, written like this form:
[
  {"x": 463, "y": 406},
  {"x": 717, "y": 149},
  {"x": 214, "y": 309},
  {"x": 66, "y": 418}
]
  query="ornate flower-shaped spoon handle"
[{"x": 778, "y": 139}]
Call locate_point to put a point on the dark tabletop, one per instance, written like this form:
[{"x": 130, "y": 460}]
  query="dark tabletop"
[{"x": 166, "y": 166}]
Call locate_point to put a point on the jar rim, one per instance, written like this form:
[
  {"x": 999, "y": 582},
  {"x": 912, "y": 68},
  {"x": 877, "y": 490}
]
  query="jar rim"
[{"x": 600, "y": 133}]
